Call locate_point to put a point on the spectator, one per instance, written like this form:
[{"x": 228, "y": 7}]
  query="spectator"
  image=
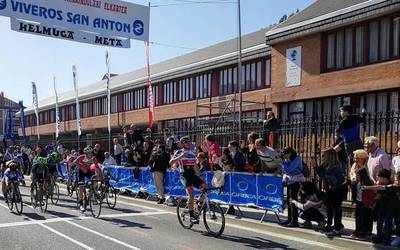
[
  {"x": 137, "y": 158},
  {"x": 396, "y": 159},
  {"x": 226, "y": 162},
  {"x": 350, "y": 131},
  {"x": 98, "y": 153},
  {"x": 334, "y": 183},
  {"x": 250, "y": 151},
  {"x": 109, "y": 160},
  {"x": 271, "y": 126},
  {"x": 271, "y": 163},
  {"x": 118, "y": 150},
  {"x": 239, "y": 160},
  {"x": 292, "y": 176},
  {"x": 59, "y": 148},
  {"x": 137, "y": 135},
  {"x": 364, "y": 199},
  {"x": 313, "y": 208},
  {"x": 386, "y": 209},
  {"x": 340, "y": 150},
  {"x": 129, "y": 161},
  {"x": 171, "y": 145},
  {"x": 159, "y": 163},
  {"x": 146, "y": 153},
  {"x": 378, "y": 159},
  {"x": 213, "y": 149},
  {"x": 202, "y": 162},
  {"x": 127, "y": 137}
]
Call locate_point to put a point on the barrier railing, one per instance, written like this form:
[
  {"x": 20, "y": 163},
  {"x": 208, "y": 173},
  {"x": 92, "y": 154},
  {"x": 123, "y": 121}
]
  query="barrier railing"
[{"x": 240, "y": 189}]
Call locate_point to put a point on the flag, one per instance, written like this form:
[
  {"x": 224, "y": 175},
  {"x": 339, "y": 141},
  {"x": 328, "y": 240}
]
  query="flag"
[
  {"x": 108, "y": 90},
  {"x": 58, "y": 121},
  {"x": 150, "y": 88},
  {"x": 78, "y": 113},
  {"x": 11, "y": 134},
  {"x": 22, "y": 120},
  {"x": 36, "y": 107}
]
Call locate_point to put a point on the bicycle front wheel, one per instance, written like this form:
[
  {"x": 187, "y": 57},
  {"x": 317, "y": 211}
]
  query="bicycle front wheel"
[
  {"x": 95, "y": 203},
  {"x": 9, "y": 201},
  {"x": 55, "y": 196},
  {"x": 214, "y": 219},
  {"x": 182, "y": 211},
  {"x": 42, "y": 200},
  {"x": 111, "y": 197},
  {"x": 18, "y": 201}
]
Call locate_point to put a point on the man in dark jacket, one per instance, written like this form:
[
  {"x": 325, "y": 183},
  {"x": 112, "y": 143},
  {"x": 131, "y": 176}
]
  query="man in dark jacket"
[
  {"x": 272, "y": 127},
  {"x": 159, "y": 163},
  {"x": 349, "y": 129},
  {"x": 98, "y": 153}
]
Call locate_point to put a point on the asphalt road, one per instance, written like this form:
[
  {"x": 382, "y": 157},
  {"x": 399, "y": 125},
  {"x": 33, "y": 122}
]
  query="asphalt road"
[{"x": 137, "y": 224}]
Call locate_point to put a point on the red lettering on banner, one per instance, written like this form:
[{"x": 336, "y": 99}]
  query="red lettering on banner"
[{"x": 115, "y": 8}]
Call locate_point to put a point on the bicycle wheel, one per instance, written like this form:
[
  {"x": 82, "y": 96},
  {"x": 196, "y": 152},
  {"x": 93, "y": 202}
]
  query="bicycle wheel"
[
  {"x": 9, "y": 200},
  {"x": 95, "y": 203},
  {"x": 34, "y": 194},
  {"x": 18, "y": 201},
  {"x": 55, "y": 196},
  {"x": 214, "y": 219},
  {"x": 182, "y": 211},
  {"x": 111, "y": 197},
  {"x": 42, "y": 199}
]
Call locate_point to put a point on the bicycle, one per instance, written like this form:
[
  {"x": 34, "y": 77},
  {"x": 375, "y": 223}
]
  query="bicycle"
[
  {"x": 39, "y": 195},
  {"x": 72, "y": 183},
  {"x": 14, "y": 197},
  {"x": 108, "y": 192},
  {"x": 213, "y": 214},
  {"x": 93, "y": 198},
  {"x": 54, "y": 190}
]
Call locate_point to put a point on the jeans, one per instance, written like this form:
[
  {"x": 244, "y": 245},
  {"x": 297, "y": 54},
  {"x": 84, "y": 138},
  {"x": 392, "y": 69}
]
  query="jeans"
[
  {"x": 292, "y": 193},
  {"x": 364, "y": 220},
  {"x": 384, "y": 225}
]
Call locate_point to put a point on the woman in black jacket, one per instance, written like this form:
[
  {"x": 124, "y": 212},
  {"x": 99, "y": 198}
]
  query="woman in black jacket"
[{"x": 159, "y": 163}]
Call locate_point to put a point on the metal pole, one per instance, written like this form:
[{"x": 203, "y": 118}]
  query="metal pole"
[{"x": 240, "y": 68}]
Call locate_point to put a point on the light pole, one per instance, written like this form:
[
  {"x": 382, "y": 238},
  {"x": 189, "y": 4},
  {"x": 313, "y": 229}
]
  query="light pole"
[{"x": 239, "y": 70}]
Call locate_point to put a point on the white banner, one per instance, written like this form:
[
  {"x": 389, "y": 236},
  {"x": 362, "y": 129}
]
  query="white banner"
[
  {"x": 108, "y": 18},
  {"x": 35, "y": 28},
  {"x": 293, "y": 66},
  {"x": 58, "y": 121},
  {"x": 78, "y": 112},
  {"x": 35, "y": 102}
]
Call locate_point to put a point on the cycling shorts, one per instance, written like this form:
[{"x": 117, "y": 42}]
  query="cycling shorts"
[
  {"x": 193, "y": 180},
  {"x": 40, "y": 177},
  {"x": 82, "y": 175},
  {"x": 52, "y": 169}
]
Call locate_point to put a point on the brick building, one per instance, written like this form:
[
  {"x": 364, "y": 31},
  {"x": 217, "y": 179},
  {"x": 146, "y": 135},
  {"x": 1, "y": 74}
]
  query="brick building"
[{"x": 347, "y": 52}]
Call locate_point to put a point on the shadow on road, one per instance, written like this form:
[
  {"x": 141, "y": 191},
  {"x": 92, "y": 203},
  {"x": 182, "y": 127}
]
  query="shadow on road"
[{"x": 125, "y": 223}]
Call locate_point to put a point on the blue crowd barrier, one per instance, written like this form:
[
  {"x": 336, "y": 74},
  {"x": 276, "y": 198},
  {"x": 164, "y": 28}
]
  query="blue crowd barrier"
[{"x": 241, "y": 189}]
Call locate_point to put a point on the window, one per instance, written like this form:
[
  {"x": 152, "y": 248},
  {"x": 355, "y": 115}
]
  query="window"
[
  {"x": 170, "y": 93},
  {"x": 185, "y": 87},
  {"x": 140, "y": 96},
  {"x": 268, "y": 72},
  {"x": 114, "y": 104},
  {"x": 155, "y": 95},
  {"x": 128, "y": 101},
  {"x": 366, "y": 43}
]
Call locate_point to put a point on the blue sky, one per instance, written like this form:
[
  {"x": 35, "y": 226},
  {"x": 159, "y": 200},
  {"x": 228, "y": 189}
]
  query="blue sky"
[{"x": 25, "y": 58}]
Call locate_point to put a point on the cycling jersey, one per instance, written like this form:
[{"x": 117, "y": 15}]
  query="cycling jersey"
[
  {"x": 39, "y": 172},
  {"x": 189, "y": 161},
  {"x": 85, "y": 164},
  {"x": 12, "y": 175}
]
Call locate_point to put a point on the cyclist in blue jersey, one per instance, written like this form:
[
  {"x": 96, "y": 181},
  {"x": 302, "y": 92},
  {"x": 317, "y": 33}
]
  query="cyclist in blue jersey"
[
  {"x": 11, "y": 174},
  {"x": 185, "y": 160}
]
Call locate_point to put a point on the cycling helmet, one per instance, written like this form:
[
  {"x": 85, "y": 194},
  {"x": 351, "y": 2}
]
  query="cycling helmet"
[
  {"x": 13, "y": 165},
  {"x": 88, "y": 149},
  {"x": 54, "y": 155},
  {"x": 184, "y": 139},
  {"x": 42, "y": 161}
]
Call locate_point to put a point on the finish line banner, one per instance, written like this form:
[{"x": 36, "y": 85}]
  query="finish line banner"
[
  {"x": 112, "y": 18},
  {"x": 242, "y": 189},
  {"x": 60, "y": 33}
]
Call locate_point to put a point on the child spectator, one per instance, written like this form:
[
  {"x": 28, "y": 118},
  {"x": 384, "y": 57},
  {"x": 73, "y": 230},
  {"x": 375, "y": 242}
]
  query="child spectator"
[
  {"x": 334, "y": 183},
  {"x": 226, "y": 161},
  {"x": 250, "y": 152},
  {"x": 292, "y": 176},
  {"x": 238, "y": 158},
  {"x": 202, "y": 162}
]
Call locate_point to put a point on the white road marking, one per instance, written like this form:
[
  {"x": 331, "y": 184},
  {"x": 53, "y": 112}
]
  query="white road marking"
[
  {"x": 65, "y": 219},
  {"x": 66, "y": 237},
  {"x": 103, "y": 235}
]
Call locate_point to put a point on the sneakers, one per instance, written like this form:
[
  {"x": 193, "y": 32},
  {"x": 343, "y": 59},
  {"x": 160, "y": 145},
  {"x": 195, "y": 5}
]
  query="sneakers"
[
  {"x": 355, "y": 235},
  {"x": 307, "y": 224},
  {"x": 292, "y": 224},
  {"x": 334, "y": 233},
  {"x": 82, "y": 208}
]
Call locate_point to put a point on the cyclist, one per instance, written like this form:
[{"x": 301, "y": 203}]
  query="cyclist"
[
  {"x": 71, "y": 165},
  {"x": 87, "y": 168},
  {"x": 40, "y": 171},
  {"x": 53, "y": 160},
  {"x": 185, "y": 160},
  {"x": 12, "y": 173}
]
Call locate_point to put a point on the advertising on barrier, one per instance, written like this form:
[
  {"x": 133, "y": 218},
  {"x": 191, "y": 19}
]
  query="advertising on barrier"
[
  {"x": 263, "y": 191},
  {"x": 65, "y": 34},
  {"x": 107, "y": 18}
]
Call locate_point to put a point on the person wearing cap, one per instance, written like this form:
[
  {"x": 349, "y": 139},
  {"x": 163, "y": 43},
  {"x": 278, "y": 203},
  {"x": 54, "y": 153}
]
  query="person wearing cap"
[
  {"x": 88, "y": 167},
  {"x": 185, "y": 160}
]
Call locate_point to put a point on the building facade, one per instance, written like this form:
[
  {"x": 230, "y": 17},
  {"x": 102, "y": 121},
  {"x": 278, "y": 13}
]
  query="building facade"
[{"x": 349, "y": 52}]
